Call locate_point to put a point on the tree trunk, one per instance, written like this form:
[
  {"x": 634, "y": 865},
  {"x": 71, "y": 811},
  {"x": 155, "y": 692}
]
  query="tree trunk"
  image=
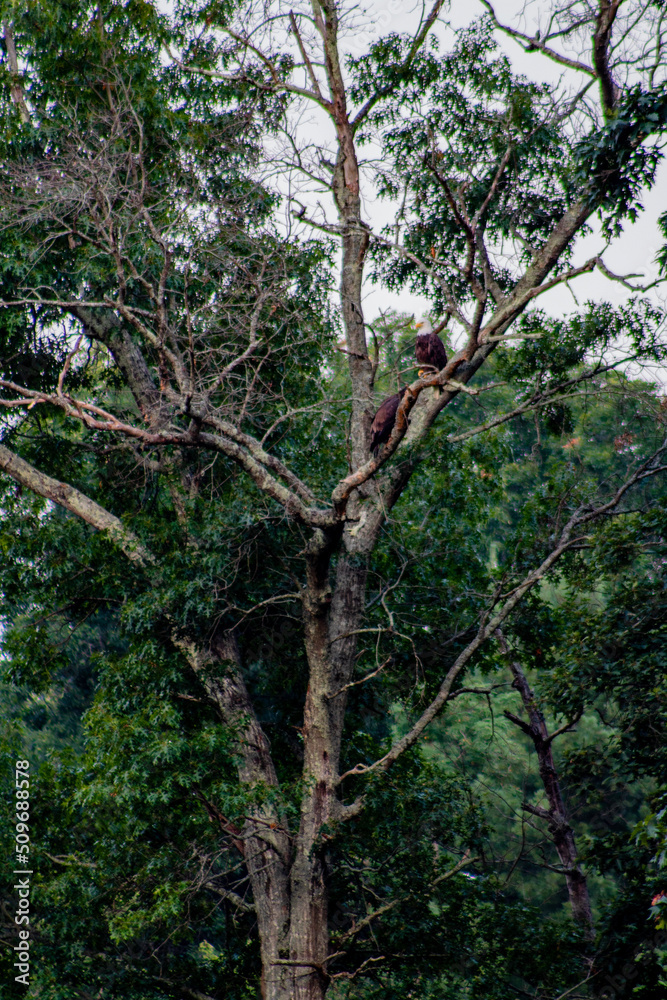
[
  {"x": 264, "y": 841},
  {"x": 287, "y": 871},
  {"x": 556, "y": 816},
  {"x": 330, "y": 618},
  {"x": 309, "y": 942}
]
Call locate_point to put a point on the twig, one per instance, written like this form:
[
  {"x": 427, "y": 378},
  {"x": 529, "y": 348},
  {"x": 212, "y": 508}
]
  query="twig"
[
  {"x": 532, "y": 44},
  {"x": 362, "y": 680},
  {"x": 68, "y": 361}
]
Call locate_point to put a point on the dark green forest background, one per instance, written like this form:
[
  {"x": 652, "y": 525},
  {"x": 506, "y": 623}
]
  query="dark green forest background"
[
  {"x": 138, "y": 892},
  {"x": 122, "y": 743}
]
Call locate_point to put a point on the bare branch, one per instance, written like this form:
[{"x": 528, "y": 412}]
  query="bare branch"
[
  {"x": 609, "y": 92},
  {"x": 305, "y": 57},
  {"x": 556, "y": 817},
  {"x": 241, "y": 447},
  {"x": 566, "y": 540},
  {"x": 277, "y": 82},
  {"x": 624, "y": 279},
  {"x": 392, "y": 904},
  {"x": 231, "y": 897},
  {"x": 417, "y": 43},
  {"x": 555, "y": 394},
  {"x": 516, "y": 303},
  {"x": 77, "y": 503},
  {"x": 534, "y": 44},
  {"x": 362, "y": 680}
]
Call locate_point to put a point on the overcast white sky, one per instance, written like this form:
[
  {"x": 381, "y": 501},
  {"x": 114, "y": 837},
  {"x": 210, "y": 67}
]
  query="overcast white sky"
[{"x": 634, "y": 252}]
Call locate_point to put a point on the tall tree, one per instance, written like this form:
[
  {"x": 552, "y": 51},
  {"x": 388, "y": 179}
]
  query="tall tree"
[{"x": 171, "y": 379}]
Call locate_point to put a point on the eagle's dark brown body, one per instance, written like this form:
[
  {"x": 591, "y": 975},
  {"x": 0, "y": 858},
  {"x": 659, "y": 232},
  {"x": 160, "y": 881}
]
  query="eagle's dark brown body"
[
  {"x": 384, "y": 420},
  {"x": 430, "y": 350}
]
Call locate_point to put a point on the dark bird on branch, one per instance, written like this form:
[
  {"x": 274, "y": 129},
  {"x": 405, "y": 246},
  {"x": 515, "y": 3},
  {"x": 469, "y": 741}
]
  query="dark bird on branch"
[
  {"x": 384, "y": 420},
  {"x": 429, "y": 349}
]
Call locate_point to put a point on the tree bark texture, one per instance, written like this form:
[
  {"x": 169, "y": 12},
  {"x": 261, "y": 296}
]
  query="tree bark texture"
[
  {"x": 264, "y": 841},
  {"x": 560, "y": 828},
  {"x": 287, "y": 869}
]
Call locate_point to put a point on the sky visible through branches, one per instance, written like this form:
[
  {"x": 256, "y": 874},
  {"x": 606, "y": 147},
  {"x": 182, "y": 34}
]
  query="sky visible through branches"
[{"x": 310, "y": 130}]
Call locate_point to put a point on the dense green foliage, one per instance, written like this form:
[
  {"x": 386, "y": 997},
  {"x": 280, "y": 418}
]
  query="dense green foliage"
[
  {"x": 139, "y": 890},
  {"x": 130, "y": 798}
]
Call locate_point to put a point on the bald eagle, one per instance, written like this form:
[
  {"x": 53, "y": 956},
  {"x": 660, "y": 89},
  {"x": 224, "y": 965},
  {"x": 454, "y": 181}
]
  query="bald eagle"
[
  {"x": 384, "y": 420},
  {"x": 429, "y": 349}
]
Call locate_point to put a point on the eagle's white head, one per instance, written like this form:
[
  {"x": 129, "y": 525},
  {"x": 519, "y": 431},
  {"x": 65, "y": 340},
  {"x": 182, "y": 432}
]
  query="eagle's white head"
[{"x": 424, "y": 325}]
